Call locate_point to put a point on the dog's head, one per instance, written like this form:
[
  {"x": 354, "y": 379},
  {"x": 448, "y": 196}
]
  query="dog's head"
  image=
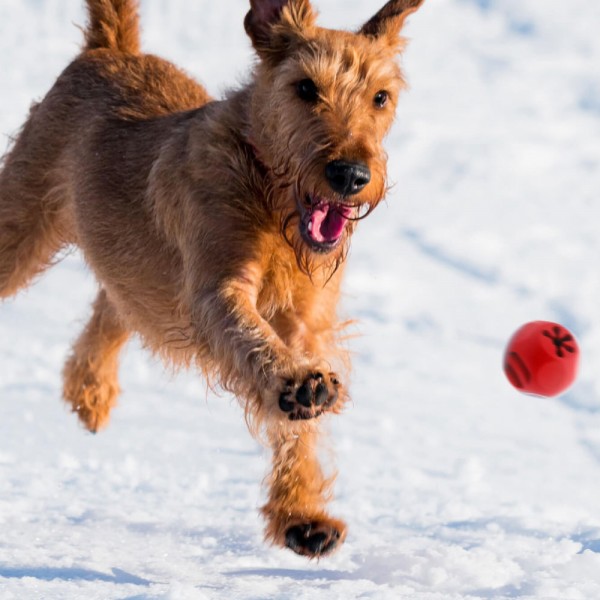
[{"x": 322, "y": 102}]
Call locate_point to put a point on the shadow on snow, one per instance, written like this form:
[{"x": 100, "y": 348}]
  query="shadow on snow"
[{"x": 71, "y": 574}]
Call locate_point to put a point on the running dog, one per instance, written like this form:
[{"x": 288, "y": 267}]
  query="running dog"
[{"x": 217, "y": 229}]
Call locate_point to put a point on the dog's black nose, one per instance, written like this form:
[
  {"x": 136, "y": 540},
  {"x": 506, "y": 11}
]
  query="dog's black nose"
[{"x": 347, "y": 178}]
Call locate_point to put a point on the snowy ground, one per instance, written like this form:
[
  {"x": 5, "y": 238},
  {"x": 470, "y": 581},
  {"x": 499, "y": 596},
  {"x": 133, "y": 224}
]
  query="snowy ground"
[{"x": 455, "y": 486}]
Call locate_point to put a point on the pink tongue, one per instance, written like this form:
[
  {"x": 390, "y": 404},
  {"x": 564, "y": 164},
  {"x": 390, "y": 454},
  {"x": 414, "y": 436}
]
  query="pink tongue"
[{"x": 328, "y": 222}]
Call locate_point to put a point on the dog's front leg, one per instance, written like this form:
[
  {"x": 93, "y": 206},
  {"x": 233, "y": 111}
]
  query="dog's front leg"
[
  {"x": 298, "y": 492},
  {"x": 252, "y": 360}
]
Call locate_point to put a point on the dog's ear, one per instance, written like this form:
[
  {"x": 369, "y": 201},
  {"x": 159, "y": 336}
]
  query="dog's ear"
[
  {"x": 390, "y": 19},
  {"x": 274, "y": 25}
]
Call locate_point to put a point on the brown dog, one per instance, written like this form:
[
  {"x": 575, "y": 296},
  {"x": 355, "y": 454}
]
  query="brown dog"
[{"x": 217, "y": 229}]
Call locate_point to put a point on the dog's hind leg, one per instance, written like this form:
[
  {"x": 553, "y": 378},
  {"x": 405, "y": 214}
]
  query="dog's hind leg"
[
  {"x": 90, "y": 375},
  {"x": 298, "y": 492},
  {"x": 30, "y": 236},
  {"x": 34, "y": 216}
]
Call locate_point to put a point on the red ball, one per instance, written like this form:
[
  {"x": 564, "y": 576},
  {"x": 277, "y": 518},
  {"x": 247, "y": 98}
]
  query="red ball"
[{"x": 542, "y": 358}]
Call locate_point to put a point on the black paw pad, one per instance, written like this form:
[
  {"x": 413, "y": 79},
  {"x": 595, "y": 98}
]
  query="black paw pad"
[
  {"x": 311, "y": 397},
  {"x": 312, "y": 539}
]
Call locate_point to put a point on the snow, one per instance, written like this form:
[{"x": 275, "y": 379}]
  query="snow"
[{"x": 455, "y": 486}]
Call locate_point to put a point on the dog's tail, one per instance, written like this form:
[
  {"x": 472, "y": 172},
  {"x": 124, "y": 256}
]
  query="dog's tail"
[{"x": 113, "y": 24}]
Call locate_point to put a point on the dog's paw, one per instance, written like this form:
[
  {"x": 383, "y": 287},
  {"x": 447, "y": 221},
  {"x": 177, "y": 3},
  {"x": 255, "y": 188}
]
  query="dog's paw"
[
  {"x": 316, "y": 538},
  {"x": 311, "y": 397},
  {"x": 90, "y": 397}
]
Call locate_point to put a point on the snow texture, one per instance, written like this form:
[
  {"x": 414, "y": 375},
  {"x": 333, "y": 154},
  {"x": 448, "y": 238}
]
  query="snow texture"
[{"x": 454, "y": 485}]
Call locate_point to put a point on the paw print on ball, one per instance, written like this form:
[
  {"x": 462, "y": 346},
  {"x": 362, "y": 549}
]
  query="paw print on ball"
[{"x": 561, "y": 338}]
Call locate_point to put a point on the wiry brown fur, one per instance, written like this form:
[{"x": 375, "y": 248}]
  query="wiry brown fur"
[{"x": 189, "y": 211}]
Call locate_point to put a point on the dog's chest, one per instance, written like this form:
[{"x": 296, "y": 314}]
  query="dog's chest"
[{"x": 281, "y": 286}]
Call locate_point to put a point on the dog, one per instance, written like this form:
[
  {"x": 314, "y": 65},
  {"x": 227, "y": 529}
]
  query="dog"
[{"x": 217, "y": 229}]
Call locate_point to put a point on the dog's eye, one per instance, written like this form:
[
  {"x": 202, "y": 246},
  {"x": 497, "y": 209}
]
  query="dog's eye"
[
  {"x": 380, "y": 99},
  {"x": 307, "y": 90}
]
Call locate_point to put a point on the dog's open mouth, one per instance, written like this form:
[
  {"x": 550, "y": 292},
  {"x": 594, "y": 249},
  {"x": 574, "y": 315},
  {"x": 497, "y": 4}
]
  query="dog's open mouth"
[{"x": 323, "y": 223}]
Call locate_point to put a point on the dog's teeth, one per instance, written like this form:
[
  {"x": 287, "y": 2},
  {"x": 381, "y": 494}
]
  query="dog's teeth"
[{"x": 310, "y": 226}]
